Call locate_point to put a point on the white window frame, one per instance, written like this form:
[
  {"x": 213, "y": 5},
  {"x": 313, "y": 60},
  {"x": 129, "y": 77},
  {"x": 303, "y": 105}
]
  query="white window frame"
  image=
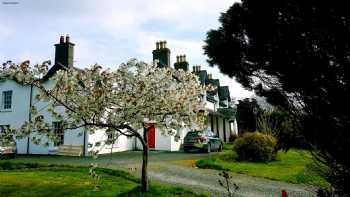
[
  {"x": 3, "y": 100},
  {"x": 59, "y": 132}
]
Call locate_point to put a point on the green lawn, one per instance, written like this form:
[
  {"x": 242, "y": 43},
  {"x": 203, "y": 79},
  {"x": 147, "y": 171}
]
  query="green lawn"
[
  {"x": 295, "y": 166},
  {"x": 34, "y": 180}
]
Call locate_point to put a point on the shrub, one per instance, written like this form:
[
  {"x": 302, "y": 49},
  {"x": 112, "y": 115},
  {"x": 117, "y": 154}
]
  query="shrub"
[
  {"x": 283, "y": 126},
  {"x": 232, "y": 137},
  {"x": 255, "y": 147}
]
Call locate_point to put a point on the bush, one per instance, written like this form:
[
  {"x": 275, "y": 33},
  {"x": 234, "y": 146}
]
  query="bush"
[
  {"x": 256, "y": 147},
  {"x": 283, "y": 126},
  {"x": 232, "y": 137}
]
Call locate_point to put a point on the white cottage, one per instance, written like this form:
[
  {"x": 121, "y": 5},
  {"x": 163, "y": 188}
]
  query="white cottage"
[{"x": 16, "y": 101}]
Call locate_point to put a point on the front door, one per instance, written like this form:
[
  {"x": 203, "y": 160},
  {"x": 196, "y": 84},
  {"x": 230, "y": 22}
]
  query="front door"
[{"x": 151, "y": 135}]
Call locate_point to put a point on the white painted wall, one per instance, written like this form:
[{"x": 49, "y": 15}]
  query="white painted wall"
[
  {"x": 20, "y": 109},
  {"x": 166, "y": 142},
  {"x": 209, "y": 106},
  {"x": 20, "y": 113},
  {"x": 228, "y": 131},
  {"x": 123, "y": 143},
  {"x": 221, "y": 128},
  {"x": 234, "y": 127}
]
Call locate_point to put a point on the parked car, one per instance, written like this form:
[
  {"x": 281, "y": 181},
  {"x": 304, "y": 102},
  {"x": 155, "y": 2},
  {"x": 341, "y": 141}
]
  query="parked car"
[
  {"x": 8, "y": 150},
  {"x": 206, "y": 141}
]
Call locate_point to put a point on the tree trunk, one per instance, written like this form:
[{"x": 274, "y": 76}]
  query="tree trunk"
[
  {"x": 144, "y": 177},
  {"x": 143, "y": 140}
]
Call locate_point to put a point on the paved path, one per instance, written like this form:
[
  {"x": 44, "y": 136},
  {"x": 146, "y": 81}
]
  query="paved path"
[{"x": 175, "y": 168}]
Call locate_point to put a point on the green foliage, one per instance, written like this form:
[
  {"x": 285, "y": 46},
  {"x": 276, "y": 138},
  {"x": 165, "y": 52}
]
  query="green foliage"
[
  {"x": 294, "y": 166},
  {"x": 209, "y": 163},
  {"x": 247, "y": 111},
  {"x": 228, "y": 146},
  {"x": 283, "y": 126},
  {"x": 296, "y": 54},
  {"x": 256, "y": 147}
]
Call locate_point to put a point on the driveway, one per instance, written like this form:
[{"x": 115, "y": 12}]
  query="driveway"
[{"x": 177, "y": 168}]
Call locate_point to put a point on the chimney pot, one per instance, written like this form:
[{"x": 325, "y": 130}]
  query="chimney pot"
[
  {"x": 194, "y": 68},
  {"x": 157, "y": 45},
  {"x": 199, "y": 68},
  {"x": 164, "y": 43},
  {"x": 67, "y": 39},
  {"x": 62, "y": 39},
  {"x": 177, "y": 59}
]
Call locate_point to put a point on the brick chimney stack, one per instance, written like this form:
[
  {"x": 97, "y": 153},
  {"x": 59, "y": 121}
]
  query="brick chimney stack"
[
  {"x": 61, "y": 39},
  {"x": 64, "y": 53},
  {"x": 67, "y": 38},
  {"x": 162, "y": 54}
]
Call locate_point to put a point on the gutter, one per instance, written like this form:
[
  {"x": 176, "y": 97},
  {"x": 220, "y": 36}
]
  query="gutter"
[
  {"x": 84, "y": 145},
  {"x": 30, "y": 114}
]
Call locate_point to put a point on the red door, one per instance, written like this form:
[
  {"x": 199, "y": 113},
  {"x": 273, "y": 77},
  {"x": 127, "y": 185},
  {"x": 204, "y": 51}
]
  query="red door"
[{"x": 151, "y": 135}]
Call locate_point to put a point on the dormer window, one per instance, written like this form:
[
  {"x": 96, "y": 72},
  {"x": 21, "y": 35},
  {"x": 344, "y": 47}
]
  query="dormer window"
[{"x": 6, "y": 100}]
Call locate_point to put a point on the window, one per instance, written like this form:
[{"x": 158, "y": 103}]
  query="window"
[
  {"x": 59, "y": 133},
  {"x": 7, "y": 99}
]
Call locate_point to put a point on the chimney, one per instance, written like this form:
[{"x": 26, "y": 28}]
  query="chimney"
[
  {"x": 198, "y": 68},
  {"x": 210, "y": 76},
  {"x": 162, "y": 54},
  {"x": 67, "y": 38},
  {"x": 181, "y": 63},
  {"x": 64, "y": 53},
  {"x": 61, "y": 39}
]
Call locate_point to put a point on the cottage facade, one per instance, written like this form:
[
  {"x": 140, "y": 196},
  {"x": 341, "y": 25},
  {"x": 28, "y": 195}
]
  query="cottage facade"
[{"x": 16, "y": 101}]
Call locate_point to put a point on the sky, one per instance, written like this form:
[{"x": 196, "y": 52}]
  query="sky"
[{"x": 110, "y": 32}]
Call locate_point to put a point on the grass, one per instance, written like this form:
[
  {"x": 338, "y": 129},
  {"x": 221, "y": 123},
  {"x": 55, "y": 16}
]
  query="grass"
[
  {"x": 294, "y": 166},
  {"x": 36, "y": 180}
]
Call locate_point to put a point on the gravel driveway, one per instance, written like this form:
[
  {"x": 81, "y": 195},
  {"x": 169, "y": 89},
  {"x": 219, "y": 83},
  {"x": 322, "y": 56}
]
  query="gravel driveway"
[{"x": 177, "y": 168}]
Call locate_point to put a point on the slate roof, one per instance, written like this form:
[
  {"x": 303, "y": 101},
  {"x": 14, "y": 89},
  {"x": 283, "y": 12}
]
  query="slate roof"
[
  {"x": 203, "y": 76},
  {"x": 224, "y": 93}
]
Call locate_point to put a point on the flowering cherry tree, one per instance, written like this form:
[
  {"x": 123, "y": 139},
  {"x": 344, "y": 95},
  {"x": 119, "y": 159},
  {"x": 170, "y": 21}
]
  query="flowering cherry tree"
[{"x": 115, "y": 100}]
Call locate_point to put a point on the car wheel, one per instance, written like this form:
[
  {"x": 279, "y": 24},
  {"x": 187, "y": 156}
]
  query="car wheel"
[{"x": 208, "y": 148}]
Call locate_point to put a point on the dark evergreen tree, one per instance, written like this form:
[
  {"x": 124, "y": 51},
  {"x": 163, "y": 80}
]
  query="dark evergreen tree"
[
  {"x": 296, "y": 53},
  {"x": 247, "y": 112}
]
